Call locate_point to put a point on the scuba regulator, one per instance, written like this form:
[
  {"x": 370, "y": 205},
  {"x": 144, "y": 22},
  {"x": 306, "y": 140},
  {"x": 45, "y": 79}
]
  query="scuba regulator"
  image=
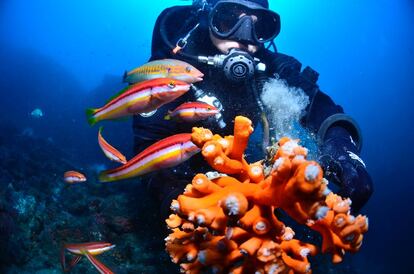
[{"x": 237, "y": 65}]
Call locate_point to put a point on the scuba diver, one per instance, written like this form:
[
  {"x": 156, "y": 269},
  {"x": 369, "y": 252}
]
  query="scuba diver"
[{"x": 229, "y": 41}]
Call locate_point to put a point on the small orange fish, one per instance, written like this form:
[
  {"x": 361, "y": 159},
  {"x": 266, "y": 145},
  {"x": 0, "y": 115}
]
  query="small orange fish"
[
  {"x": 112, "y": 153},
  {"x": 192, "y": 112},
  {"x": 74, "y": 177}
]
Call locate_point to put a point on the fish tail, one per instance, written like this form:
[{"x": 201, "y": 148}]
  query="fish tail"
[
  {"x": 104, "y": 178},
  {"x": 90, "y": 112},
  {"x": 125, "y": 76}
]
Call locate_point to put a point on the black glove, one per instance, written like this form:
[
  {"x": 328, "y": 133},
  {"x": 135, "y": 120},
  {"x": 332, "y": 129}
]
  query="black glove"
[{"x": 343, "y": 167}]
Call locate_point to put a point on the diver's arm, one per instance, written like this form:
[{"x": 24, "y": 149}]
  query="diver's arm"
[
  {"x": 344, "y": 167},
  {"x": 338, "y": 134},
  {"x": 340, "y": 145}
]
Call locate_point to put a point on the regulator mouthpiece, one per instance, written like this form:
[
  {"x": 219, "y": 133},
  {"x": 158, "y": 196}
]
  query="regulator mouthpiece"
[{"x": 237, "y": 65}]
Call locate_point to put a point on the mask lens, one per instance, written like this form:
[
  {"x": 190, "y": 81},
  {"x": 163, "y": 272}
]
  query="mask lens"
[
  {"x": 266, "y": 26},
  {"x": 225, "y": 16}
]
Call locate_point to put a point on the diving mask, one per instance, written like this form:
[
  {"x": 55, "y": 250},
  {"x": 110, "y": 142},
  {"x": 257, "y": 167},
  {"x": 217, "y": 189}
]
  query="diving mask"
[{"x": 243, "y": 22}]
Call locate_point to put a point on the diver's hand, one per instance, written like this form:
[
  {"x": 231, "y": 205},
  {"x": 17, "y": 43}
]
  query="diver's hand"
[
  {"x": 344, "y": 168},
  {"x": 355, "y": 183}
]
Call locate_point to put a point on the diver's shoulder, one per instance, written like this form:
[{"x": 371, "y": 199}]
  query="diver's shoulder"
[
  {"x": 287, "y": 66},
  {"x": 281, "y": 63}
]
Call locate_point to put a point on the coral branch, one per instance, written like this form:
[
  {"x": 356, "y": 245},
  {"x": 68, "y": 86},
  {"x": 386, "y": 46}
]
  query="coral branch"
[{"x": 227, "y": 223}]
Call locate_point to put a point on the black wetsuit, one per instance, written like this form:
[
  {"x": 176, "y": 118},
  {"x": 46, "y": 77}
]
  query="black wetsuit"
[{"x": 338, "y": 133}]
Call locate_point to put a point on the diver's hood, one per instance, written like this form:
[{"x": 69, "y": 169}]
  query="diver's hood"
[{"x": 253, "y": 4}]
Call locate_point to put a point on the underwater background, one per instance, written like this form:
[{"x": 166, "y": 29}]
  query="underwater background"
[{"x": 64, "y": 56}]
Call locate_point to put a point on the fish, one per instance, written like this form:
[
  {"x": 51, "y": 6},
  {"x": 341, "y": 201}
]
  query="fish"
[
  {"x": 37, "y": 113},
  {"x": 168, "y": 152},
  {"x": 139, "y": 98},
  {"x": 164, "y": 68},
  {"x": 112, "y": 153},
  {"x": 103, "y": 269},
  {"x": 94, "y": 248},
  {"x": 192, "y": 112},
  {"x": 89, "y": 250},
  {"x": 74, "y": 177}
]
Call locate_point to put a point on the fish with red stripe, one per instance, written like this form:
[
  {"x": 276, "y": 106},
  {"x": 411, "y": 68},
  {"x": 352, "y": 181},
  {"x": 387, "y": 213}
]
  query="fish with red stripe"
[
  {"x": 72, "y": 177},
  {"x": 168, "y": 152},
  {"x": 192, "y": 112},
  {"x": 139, "y": 98},
  {"x": 89, "y": 250},
  {"x": 112, "y": 153},
  {"x": 103, "y": 269}
]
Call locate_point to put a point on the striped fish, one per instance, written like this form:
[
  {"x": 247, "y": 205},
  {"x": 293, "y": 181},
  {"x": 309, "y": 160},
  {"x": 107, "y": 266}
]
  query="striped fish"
[
  {"x": 94, "y": 248},
  {"x": 139, "y": 98},
  {"x": 165, "y": 68},
  {"x": 165, "y": 153},
  {"x": 88, "y": 250},
  {"x": 73, "y": 177},
  {"x": 112, "y": 153},
  {"x": 103, "y": 269},
  {"x": 192, "y": 112}
]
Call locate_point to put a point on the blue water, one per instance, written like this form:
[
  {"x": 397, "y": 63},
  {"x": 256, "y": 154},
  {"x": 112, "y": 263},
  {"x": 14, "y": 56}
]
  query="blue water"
[{"x": 62, "y": 55}]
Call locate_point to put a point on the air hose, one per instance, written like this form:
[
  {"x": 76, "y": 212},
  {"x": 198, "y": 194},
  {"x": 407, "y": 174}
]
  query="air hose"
[
  {"x": 164, "y": 36},
  {"x": 255, "y": 86}
]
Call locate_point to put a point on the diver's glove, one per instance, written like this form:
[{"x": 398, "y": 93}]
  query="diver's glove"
[{"x": 343, "y": 167}]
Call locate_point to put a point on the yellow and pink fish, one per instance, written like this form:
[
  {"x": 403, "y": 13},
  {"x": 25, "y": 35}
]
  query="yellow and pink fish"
[
  {"x": 168, "y": 152},
  {"x": 192, "y": 112},
  {"x": 139, "y": 98},
  {"x": 89, "y": 250},
  {"x": 164, "y": 68}
]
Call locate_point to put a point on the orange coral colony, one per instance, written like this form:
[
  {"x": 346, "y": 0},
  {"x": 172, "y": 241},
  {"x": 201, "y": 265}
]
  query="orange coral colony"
[{"x": 224, "y": 222}]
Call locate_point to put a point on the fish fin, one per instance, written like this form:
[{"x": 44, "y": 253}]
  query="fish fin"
[
  {"x": 117, "y": 94},
  {"x": 97, "y": 264},
  {"x": 125, "y": 76},
  {"x": 100, "y": 130},
  {"x": 73, "y": 263},
  {"x": 90, "y": 112},
  {"x": 104, "y": 178}
]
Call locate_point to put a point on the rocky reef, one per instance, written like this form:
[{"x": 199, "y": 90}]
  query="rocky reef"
[{"x": 39, "y": 212}]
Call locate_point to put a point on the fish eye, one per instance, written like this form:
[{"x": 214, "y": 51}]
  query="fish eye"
[
  {"x": 171, "y": 84},
  {"x": 187, "y": 68},
  {"x": 209, "y": 108}
]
